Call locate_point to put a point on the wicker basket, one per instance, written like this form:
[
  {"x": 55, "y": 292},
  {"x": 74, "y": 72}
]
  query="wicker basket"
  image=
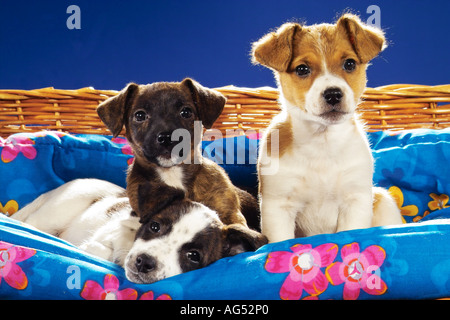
[{"x": 394, "y": 107}]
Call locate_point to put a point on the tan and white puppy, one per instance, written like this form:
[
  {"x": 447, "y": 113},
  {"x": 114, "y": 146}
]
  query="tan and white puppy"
[{"x": 324, "y": 179}]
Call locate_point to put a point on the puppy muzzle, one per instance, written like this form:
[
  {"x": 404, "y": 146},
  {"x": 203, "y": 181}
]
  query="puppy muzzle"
[
  {"x": 164, "y": 139},
  {"x": 333, "y": 105},
  {"x": 142, "y": 269},
  {"x": 159, "y": 149}
]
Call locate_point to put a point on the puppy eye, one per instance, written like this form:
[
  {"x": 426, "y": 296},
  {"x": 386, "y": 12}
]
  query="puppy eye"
[
  {"x": 155, "y": 227},
  {"x": 186, "y": 112},
  {"x": 349, "y": 65},
  {"x": 193, "y": 255},
  {"x": 140, "y": 116},
  {"x": 303, "y": 70}
]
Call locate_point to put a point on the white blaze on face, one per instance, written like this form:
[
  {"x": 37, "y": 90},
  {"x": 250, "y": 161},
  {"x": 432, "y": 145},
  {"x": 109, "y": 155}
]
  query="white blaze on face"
[
  {"x": 166, "y": 249},
  {"x": 314, "y": 101}
]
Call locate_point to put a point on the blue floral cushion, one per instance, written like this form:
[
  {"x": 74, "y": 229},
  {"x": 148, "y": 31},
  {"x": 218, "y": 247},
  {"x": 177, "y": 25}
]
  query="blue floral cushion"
[{"x": 407, "y": 261}]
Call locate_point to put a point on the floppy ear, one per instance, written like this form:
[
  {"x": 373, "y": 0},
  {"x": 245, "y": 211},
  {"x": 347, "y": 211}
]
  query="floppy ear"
[
  {"x": 238, "y": 239},
  {"x": 366, "y": 41},
  {"x": 113, "y": 111},
  {"x": 274, "y": 50},
  {"x": 209, "y": 103}
]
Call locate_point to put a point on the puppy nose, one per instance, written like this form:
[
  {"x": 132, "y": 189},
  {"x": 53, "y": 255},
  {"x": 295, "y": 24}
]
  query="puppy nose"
[
  {"x": 145, "y": 263},
  {"x": 333, "y": 96},
  {"x": 164, "y": 138}
]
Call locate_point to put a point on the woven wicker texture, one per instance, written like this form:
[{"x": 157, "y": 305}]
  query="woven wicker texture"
[{"x": 394, "y": 107}]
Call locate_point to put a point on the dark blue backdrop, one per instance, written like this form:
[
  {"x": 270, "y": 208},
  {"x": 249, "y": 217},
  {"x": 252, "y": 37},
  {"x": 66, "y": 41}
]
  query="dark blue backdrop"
[{"x": 147, "y": 41}]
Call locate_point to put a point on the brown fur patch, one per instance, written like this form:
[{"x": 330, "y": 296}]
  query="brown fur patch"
[
  {"x": 212, "y": 187},
  {"x": 285, "y": 137},
  {"x": 117, "y": 207},
  {"x": 321, "y": 47},
  {"x": 274, "y": 50}
]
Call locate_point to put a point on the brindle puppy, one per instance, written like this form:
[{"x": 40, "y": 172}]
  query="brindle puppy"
[{"x": 162, "y": 172}]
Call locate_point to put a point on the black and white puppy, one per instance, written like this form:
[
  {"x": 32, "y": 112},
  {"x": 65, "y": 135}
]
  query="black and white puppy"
[
  {"x": 185, "y": 236},
  {"x": 96, "y": 216}
]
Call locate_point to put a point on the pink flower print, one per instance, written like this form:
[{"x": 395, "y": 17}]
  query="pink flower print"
[
  {"x": 255, "y": 136},
  {"x": 149, "y": 295},
  {"x": 110, "y": 290},
  {"x": 13, "y": 274},
  {"x": 16, "y": 144},
  {"x": 356, "y": 269},
  {"x": 126, "y": 149},
  {"x": 303, "y": 265}
]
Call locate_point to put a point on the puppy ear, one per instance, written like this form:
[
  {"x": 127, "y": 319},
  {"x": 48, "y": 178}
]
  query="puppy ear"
[
  {"x": 113, "y": 111},
  {"x": 209, "y": 103},
  {"x": 240, "y": 239},
  {"x": 367, "y": 41},
  {"x": 274, "y": 50}
]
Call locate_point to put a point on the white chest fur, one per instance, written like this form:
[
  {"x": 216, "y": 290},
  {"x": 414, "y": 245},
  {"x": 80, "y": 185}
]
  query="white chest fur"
[
  {"x": 172, "y": 176},
  {"x": 318, "y": 177}
]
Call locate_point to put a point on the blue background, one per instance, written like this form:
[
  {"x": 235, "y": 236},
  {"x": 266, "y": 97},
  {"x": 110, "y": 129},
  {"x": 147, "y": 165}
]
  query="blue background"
[{"x": 147, "y": 41}]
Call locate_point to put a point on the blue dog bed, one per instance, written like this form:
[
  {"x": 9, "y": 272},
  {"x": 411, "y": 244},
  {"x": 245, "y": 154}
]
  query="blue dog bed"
[{"x": 410, "y": 261}]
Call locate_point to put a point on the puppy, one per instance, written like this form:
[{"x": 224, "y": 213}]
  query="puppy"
[
  {"x": 159, "y": 118},
  {"x": 182, "y": 237},
  {"x": 96, "y": 216},
  {"x": 324, "y": 179}
]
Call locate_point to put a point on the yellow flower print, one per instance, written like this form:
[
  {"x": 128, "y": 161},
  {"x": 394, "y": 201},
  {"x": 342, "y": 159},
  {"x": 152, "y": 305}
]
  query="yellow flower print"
[
  {"x": 410, "y": 210},
  {"x": 418, "y": 218},
  {"x": 439, "y": 202},
  {"x": 10, "y": 207}
]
